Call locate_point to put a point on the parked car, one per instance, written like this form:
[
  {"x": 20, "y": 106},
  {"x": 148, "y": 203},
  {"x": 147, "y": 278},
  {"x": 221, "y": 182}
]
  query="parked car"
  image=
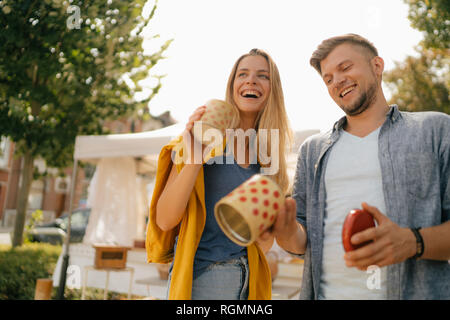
[{"x": 55, "y": 232}]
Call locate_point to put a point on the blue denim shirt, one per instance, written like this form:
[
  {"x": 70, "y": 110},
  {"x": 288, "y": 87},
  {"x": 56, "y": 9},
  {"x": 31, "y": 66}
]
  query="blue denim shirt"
[{"x": 414, "y": 155}]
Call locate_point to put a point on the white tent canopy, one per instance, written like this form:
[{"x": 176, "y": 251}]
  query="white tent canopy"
[
  {"x": 117, "y": 194},
  {"x": 92, "y": 148}
]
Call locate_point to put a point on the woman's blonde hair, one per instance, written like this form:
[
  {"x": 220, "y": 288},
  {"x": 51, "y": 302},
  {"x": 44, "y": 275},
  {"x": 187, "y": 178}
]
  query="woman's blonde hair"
[{"x": 272, "y": 116}]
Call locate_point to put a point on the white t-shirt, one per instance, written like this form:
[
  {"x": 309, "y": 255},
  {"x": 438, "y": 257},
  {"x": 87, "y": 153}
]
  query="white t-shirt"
[{"x": 352, "y": 176}]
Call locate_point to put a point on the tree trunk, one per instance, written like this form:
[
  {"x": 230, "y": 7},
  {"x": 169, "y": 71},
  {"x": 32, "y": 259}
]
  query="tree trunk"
[{"x": 22, "y": 201}]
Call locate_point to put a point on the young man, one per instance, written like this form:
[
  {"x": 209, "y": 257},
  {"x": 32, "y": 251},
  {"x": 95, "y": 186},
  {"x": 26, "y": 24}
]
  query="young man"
[{"x": 395, "y": 165}]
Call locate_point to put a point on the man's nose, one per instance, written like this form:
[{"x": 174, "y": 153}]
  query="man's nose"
[{"x": 339, "y": 81}]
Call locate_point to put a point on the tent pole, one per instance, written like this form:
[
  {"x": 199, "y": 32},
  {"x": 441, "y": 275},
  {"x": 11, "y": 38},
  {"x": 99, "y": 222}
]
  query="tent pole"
[{"x": 65, "y": 261}]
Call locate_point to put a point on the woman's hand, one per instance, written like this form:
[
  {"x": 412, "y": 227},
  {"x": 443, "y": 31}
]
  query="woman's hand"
[{"x": 192, "y": 144}]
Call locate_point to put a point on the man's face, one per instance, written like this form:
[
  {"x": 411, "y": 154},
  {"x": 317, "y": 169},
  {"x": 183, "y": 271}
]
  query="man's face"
[{"x": 349, "y": 75}]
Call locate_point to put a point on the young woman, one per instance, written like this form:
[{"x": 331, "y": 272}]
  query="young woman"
[{"x": 182, "y": 226}]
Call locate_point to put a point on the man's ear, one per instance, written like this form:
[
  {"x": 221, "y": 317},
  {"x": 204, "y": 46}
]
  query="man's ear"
[{"x": 378, "y": 65}]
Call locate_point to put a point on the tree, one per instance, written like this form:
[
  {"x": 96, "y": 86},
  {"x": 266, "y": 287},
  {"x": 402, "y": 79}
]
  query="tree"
[
  {"x": 432, "y": 17},
  {"x": 422, "y": 83},
  {"x": 65, "y": 68}
]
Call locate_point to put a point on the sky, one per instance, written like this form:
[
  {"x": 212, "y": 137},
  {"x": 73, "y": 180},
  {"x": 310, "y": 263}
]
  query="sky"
[{"x": 210, "y": 35}]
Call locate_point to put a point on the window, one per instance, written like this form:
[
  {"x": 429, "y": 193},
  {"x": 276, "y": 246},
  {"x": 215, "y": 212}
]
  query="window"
[{"x": 4, "y": 152}]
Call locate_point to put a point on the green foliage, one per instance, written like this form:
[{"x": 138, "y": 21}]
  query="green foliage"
[
  {"x": 97, "y": 294},
  {"x": 21, "y": 267},
  {"x": 58, "y": 81},
  {"x": 36, "y": 217},
  {"x": 421, "y": 83},
  {"x": 432, "y": 17},
  {"x": 65, "y": 68}
]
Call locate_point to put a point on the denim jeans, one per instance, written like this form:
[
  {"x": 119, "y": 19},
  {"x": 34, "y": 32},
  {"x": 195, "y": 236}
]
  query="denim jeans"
[{"x": 221, "y": 281}]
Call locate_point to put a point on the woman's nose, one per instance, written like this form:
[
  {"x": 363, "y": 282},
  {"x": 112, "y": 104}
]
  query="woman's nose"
[{"x": 251, "y": 79}]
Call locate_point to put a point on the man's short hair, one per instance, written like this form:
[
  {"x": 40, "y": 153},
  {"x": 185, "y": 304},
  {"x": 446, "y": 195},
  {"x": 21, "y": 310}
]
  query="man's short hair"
[{"x": 328, "y": 45}]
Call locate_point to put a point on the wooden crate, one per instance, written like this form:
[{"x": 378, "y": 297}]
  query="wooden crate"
[{"x": 110, "y": 257}]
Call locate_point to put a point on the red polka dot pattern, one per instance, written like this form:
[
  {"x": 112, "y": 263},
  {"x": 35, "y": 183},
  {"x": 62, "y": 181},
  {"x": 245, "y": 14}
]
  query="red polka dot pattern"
[
  {"x": 258, "y": 200},
  {"x": 218, "y": 114}
]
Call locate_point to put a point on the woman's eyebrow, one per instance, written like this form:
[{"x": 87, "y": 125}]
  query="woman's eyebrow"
[{"x": 260, "y": 70}]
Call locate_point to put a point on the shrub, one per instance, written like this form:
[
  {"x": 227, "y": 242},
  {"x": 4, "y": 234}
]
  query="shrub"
[
  {"x": 36, "y": 217},
  {"x": 20, "y": 267},
  {"x": 96, "y": 294}
]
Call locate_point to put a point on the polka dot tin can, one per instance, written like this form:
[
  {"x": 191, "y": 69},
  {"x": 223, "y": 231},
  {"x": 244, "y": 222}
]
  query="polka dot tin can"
[{"x": 246, "y": 212}]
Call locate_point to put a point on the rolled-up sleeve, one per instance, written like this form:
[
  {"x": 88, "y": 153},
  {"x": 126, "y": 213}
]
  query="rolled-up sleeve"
[
  {"x": 444, "y": 153},
  {"x": 299, "y": 187}
]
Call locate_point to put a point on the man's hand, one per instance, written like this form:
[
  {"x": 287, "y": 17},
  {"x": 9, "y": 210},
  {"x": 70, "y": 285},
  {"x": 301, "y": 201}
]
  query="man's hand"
[
  {"x": 286, "y": 224},
  {"x": 391, "y": 243},
  {"x": 288, "y": 233}
]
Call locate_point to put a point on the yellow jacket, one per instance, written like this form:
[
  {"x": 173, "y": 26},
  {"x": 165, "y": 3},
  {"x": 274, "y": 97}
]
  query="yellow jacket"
[{"x": 160, "y": 244}]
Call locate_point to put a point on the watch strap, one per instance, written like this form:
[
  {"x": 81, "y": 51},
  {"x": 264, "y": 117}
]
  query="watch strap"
[{"x": 419, "y": 242}]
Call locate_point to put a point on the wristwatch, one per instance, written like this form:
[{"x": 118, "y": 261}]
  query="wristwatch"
[{"x": 419, "y": 242}]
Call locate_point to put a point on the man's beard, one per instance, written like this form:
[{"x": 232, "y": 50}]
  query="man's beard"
[{"x": 364, "y": 101}]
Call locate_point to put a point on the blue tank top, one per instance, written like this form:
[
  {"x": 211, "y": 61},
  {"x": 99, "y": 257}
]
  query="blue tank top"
[{"x": 219, "y": 179}]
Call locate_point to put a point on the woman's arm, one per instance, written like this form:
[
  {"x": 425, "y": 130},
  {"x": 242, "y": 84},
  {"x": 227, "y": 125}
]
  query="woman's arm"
[
  {"x": 175, "y": 196},
  {"x": 177, "y": 191}
]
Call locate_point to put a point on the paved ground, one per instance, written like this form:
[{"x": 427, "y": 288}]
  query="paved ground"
[{"x": 5, "y": 237}]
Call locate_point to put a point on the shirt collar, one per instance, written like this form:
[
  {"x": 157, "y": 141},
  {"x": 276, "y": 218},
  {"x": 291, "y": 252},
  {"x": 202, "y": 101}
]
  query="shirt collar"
[{"x": 393, "y": 114}]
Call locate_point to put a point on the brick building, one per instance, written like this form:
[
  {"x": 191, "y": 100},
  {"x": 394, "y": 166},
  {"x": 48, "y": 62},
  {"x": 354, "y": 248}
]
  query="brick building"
[{"x": 50, "y": 194}]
